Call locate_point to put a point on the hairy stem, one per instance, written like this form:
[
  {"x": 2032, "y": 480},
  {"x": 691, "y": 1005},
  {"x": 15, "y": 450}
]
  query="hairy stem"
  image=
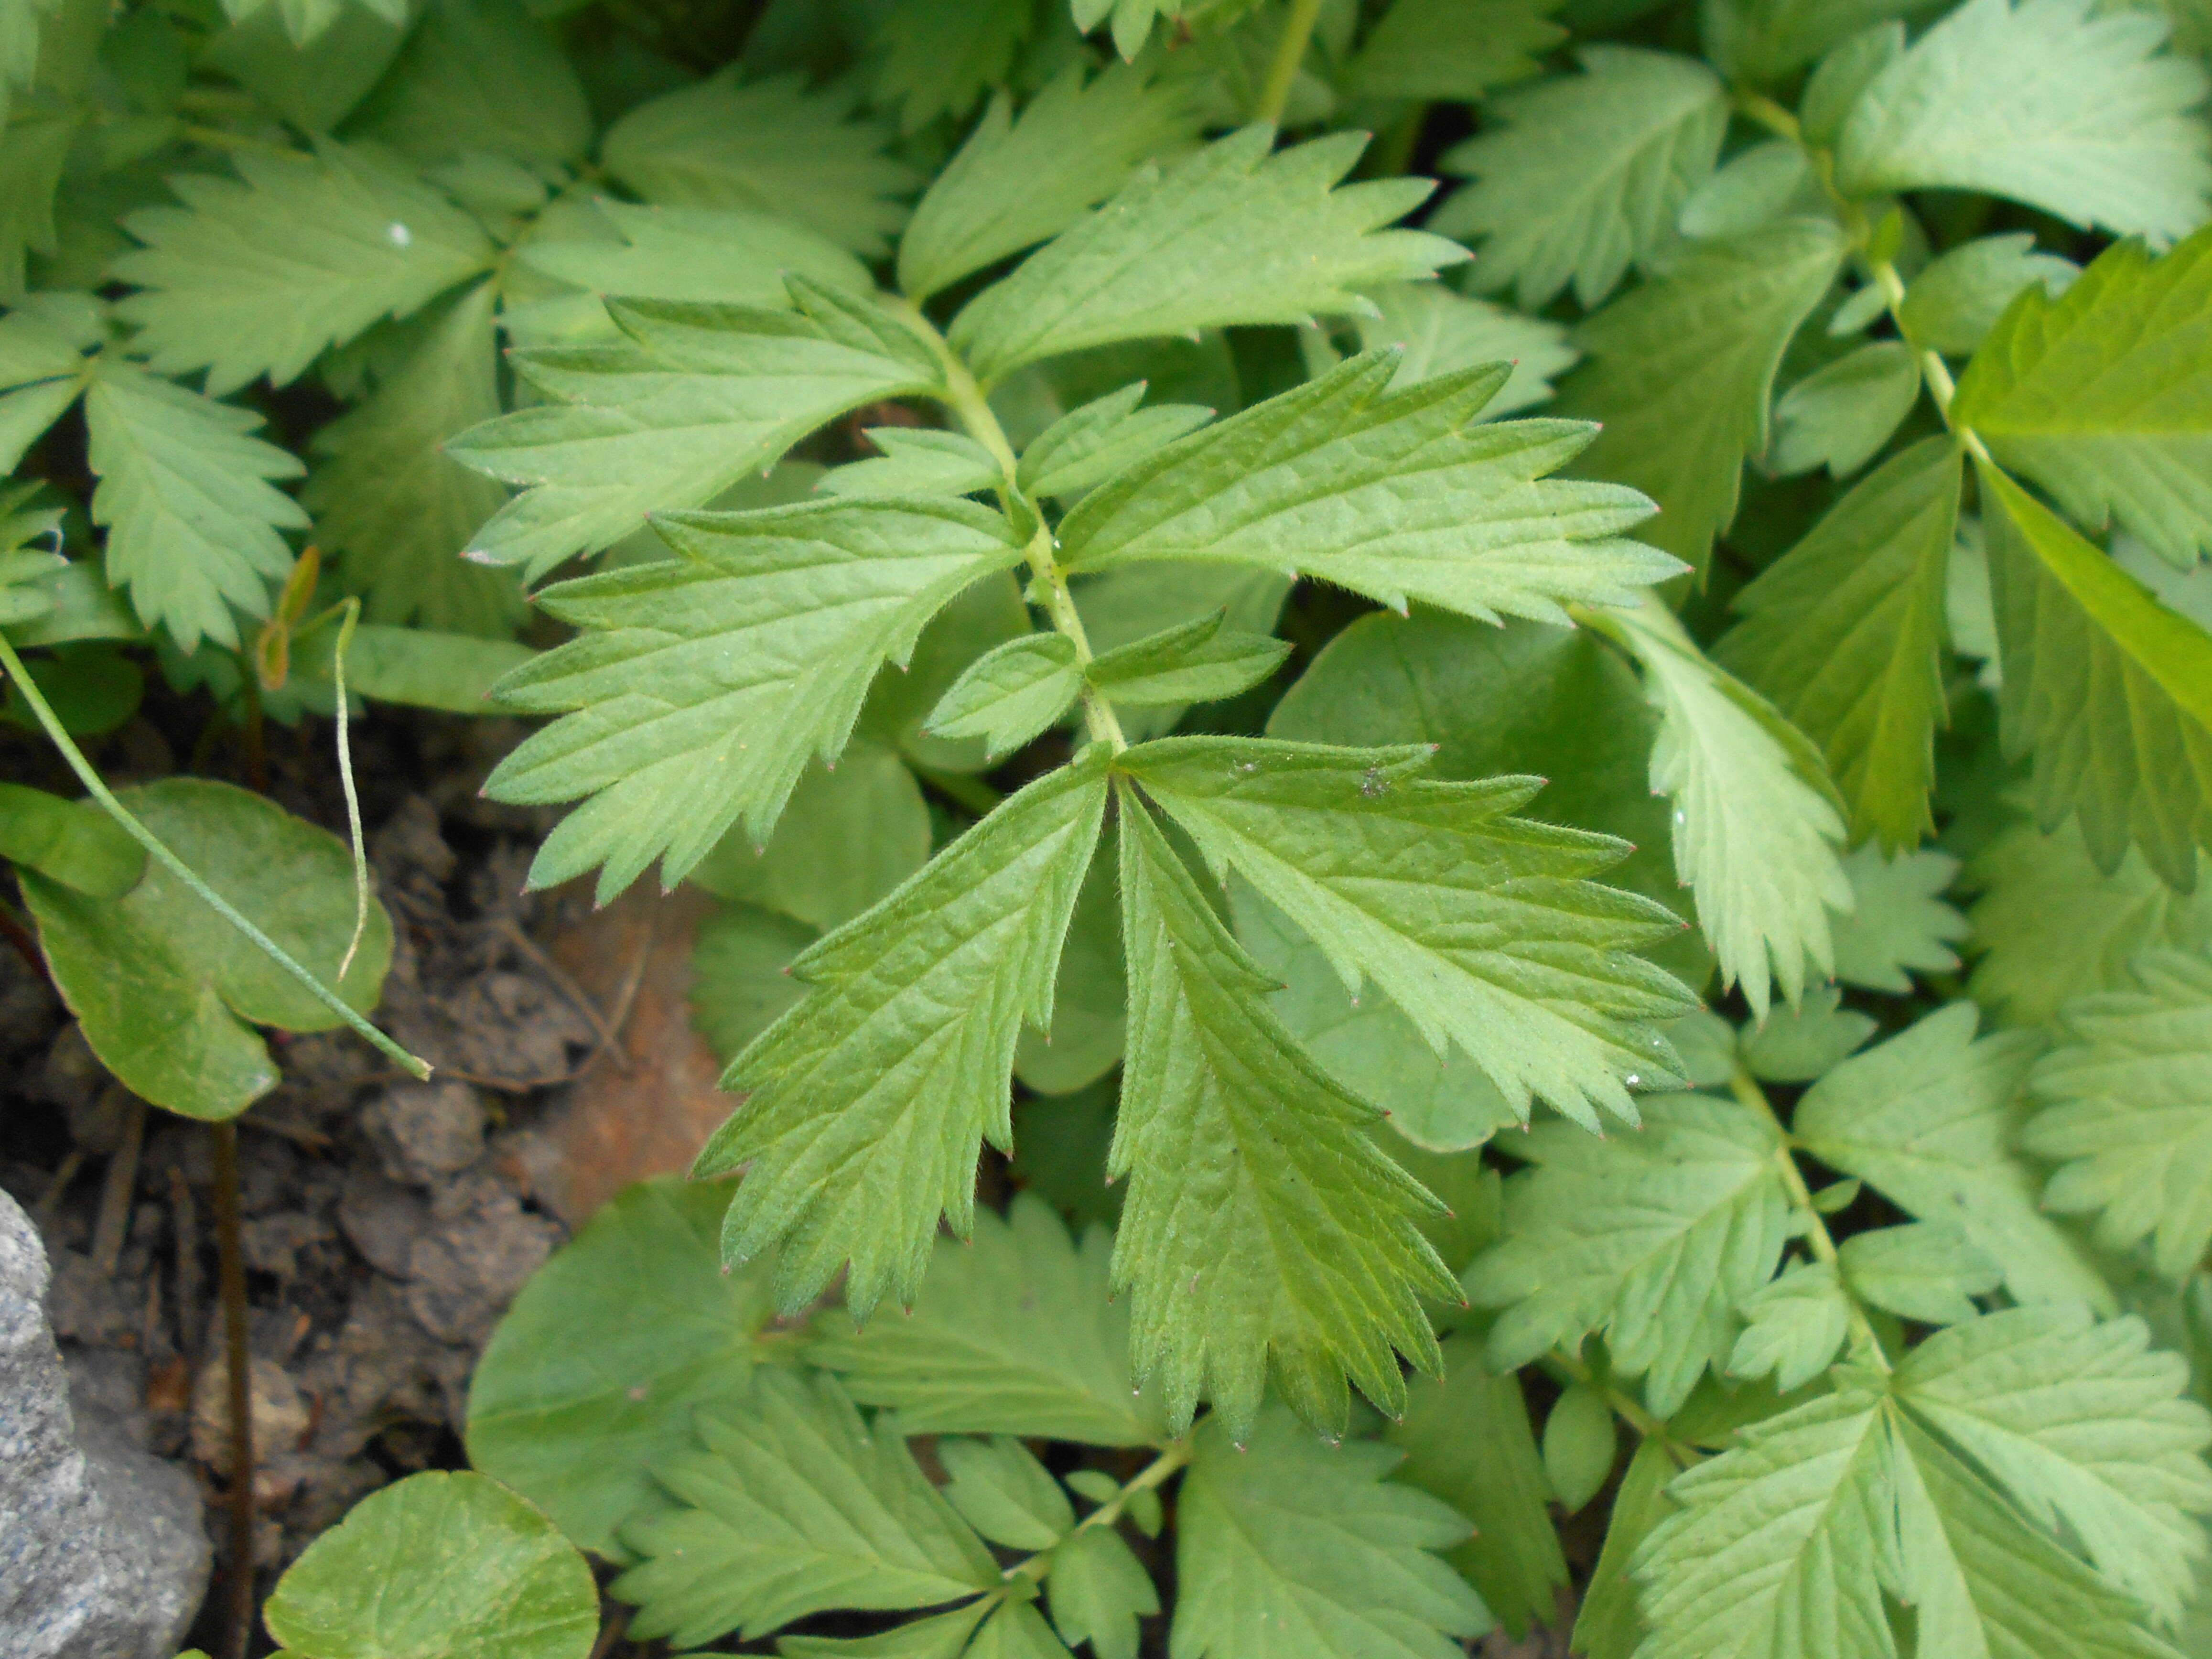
[
  {"x": 231, "y": 1256},
  {"x": 1283, "y": 69},
  {"x": 1177, "y": 1456},
  {"x": 158, "y": 850}
]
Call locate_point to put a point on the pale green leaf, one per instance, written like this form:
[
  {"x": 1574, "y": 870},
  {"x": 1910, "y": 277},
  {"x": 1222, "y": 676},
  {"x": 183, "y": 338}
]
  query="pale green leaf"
[
  {"x": 1232, "y": 235},
  {"x": 1439, "y": 330},
  {"x": 1795, "y": 1045},
  {"x": 1755, "y": 820},
  {"x": 1298, "y": 1550},
  {"x": 1581, "y": 1445},
  {"x": 576, "y": 1426},
  {"x": 915, "y": 461},
  {"x": 774, "y": 146},
  {"x": 1840, "y": 415},
  {"x": 28, "y": 411},
  {"x": 1656, "y": 1237},
  {"x": 792, "y": 1504},
  {"x": 1924, "y": 1270},
  {"x": 1953, "y": 303},
  {"x": 2103, "y": 395},
  {"x": 2084, "y": 1425},
  {"x": 696, "y": 398},
  {"x": 31, "y": 161},
  {"x": 1930, "y": 1118},
  {"x": 454, "y": 672},
  {"x": 1262, "y": 1231},
  {"x": 1016, "y": 182},
  {"x": 315, "y": 87},
  {"x": 1013, "y": 1332},
  {"x": 1844, "y": 633},
  {"x": 1792, "y": 1327},
  {"x": 1089, "y": 444},
  {"x": 1763, "y": 41},
  {"x": 481, "y": 75},
  {"x": 1482, "y": 927},
  {"x": 2127, "y": 1112},
  {"x": 1466, "y": 1441},
  {"x": 1004, "y": 1492},
  {"x": 1397, "y": 495},
  {"x": 1454, "y": 51},
  {"x": 1899, "y": 920},
  {"x": 1680, "y": 371},
  {"x": 1608, "y": 1625},
  {"x": 185, "y": 493},
  {"x": 940, "y": 1636},
  {"x": 2109, "y": 690},
  {"x": 1009, "y": 695},
  {"x": 2058, "y": 103},
  {"x": 1201, "y": 661},
  {"x": 393, "y": 507},
  {"x": 165, "y": 992},
  {"x": 728, "y": 256},
  {"x": 437, "y": 1566},
  {"x": 20, "y": 23},
  {"x": 260, "y": 275},
  {"x": 937, "y": 59},
  {"x": 702, "y": 687},
  {"x": 738, "y": 985},
  {"x": 1098, "y": 1591},
  {"x": 868, "y": 1102},
  {"x": 73, "y": 842},
  {"x": 1089, "y": 997},
  {"x": 1585, "y": 173},
  {"x": 1755, "y": 186}
]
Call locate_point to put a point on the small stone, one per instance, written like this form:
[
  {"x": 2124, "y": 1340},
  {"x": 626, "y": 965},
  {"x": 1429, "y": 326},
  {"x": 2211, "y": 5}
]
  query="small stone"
[
  {"x": 428, "y": 1130},
  {"x": 281, "y": 1417},
  {"x": 381, "y": 1219}
]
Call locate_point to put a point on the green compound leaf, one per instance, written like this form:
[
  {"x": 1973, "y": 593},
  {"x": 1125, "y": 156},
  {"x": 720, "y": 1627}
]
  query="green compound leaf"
[
  {"x": 792, "y": 1504},
  {"x": 1090, "y": 1002},
  {"x": 259, "y": 277},
  {"x": 1295, "y": 1549},
  {"x": 739, "y": 983},
  {"x": 1437, "y": 331},
  {"x": 1089, "y": 444},
  {"x": 2127, "y": 1113},
  {"x": 704, "y": 685},
  {"x": 1899, "y": 920},
  {"x": 1011, "y": 693},
  {"x": 1608, "y": 1625},
  {"x": 2104, "y": 396},
  {"x": 2051, "y": 102},
  {"x": 2111, "y": 691},
  {"x": 1763, "y": 41},
  {"x": 1681, "y": 370},
  {"x": 1013, "y": 1332},
  {"x": 1483, "y": 928},
  {"x": 1840, "y": 415},
  {"x": 914, "y": 461},
  {"x": 1844, "y": 633},
  {"x": 481, "y": 1573},
  {"x": 73, "y": 842},
  {"x": 1580, "y": 1443},
  {"x": 446, "y": 99},
  {"x": 1924, "y": 1270},
  {"x": 1098, "y": 1591},
  {"x": 394, "y": 507},
  {"x": 1586, "y": 172},
  {"x": 730, "y": 256},
  {"x": 867, "y": 1104},
  {"x": 1656, "y": 1238},
  {"x": 694, "y": 399},
  {"x": 1454, "y": 51},
  {"x": 1957, "y": 300},
  {"x": 1930, "y": 1118},
  {"x": 1199, "y": 661},
  {"x": 1793, "y": 1326},
  {"x": 1755, "y": 819},
  {"x": 185, "y": 492},
  {"x": 936, "y": 59},
  {"x": 577, "y": 1423},
  {"x": 774, "y": 147},
  {"x": 1234, "y": 234},
  {"x": 1396, "y": 494},
  {"x": 1263, "y": 1229},
  {"x": 1015, "y": 183},
  {"x": 166, "y": 993},
  {"x": 1005, "y": 1493}
]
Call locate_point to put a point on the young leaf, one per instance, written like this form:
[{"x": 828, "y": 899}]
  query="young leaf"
[
  {"x": 937, "y": 59},
  {"x": 1302, "y": 1551},
  {"x": 915, "y": 461},
  {"x": 1763, "y": 41},
  {"x": 697, "y": 397},
  {"x": 2104, "y": 396},
  {"x": 1009, "y": 695},
  {"x": 728, "y": 256},
  {"x": 867, "y": 1104},
  {"x": 1438, "y": 331},
  {"x": 1262, "y": 1227},
  {"x": 1680, "y": 371},
  {"x": 1015, "y": 183},
  {"x": 792, "y": 1504},
  {"x": 1232, "y": 235},
  {"x": 1013, "y": 1332},
  {"x": 1400, "y": 496},
  {"x": 1792, "y": 1327},
  {"x": 1089, "y": 997},
  {"x": 1755, "y": 819},
  {"x": 2052, "y": 102},
  {"x": 260, "y": 276},
  {"x": 1924, "y": 1270},
  {"x": 773, "y": 146},
  {"x": 1899, "y": 920},
  {"x": 1201, "y": 661},
  {"x": 1929, "y": 1118},
  {"x": 167, "y": 1000},
  {"x": 1953, "y": 305},
  {"x": 1454, "y": 51},
  {"x": 1098, "y": 1592},
  {"x": 576, "y": 1427},
  {"x": 483, "y": 1572},
  {"x": 185, "y": 493},
  {"x": 703, "y": 686},
  {"x": 1089, "y": 445},
  {"x": 1581, "y": 1445},
  {"x": 1656, "y": 1238},
  {"x": 73, "y": 842},
  {"x": 1004, "y": 1492},
  {"x": 2109, "y": 689},
  {"x": 1840, "y": 415},
  {"x": 1844, "y": 632},
  {"x": 1586, "y": 172},
  {"x": 2127, "y": 1113},
  {"x": 1488, "y": 935},
  {"x": 394, "y": 507}
]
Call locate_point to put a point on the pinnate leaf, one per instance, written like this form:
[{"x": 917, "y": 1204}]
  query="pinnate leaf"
[
  {"x": 1011, "y": 693},
  {"x": 1899, "y": 919},
  {"x": 1439, "y": 330},
  {"x": 1199, "y": 661}
]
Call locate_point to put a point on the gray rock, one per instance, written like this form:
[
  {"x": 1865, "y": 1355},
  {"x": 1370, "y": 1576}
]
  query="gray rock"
[
  {"x": 426, "y": 1131},
  {"x": 102, "y": 1551}
]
